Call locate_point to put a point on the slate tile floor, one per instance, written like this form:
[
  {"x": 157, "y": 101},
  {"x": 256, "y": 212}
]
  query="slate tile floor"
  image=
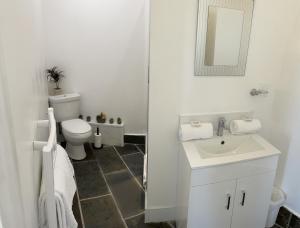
[
  {"x": 90, "y": 182},
  {"x": 286, "y": 219},
  {"x": 110, "y": 192},
  {"x": 135, "y": 163}
]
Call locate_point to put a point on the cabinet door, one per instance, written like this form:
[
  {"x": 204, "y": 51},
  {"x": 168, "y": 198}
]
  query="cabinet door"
[
  {"x": 253, "y": 195},
  {"x": 211, "y": 205}
]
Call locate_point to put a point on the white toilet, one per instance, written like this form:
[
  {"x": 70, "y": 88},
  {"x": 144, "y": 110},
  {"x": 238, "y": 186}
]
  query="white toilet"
[{"x": 76, "y": 131}]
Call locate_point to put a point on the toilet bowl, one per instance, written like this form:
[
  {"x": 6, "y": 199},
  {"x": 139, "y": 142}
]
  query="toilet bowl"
[{"x": 76, "y": 133}]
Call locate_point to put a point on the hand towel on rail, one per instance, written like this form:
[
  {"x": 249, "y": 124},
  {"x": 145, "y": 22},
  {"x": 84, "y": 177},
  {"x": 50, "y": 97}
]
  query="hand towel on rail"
[{"x": 64, "y": 188}]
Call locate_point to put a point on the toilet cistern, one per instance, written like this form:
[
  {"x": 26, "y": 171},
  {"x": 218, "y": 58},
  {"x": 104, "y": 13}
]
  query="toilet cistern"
[{"x": 221, "y": 126}]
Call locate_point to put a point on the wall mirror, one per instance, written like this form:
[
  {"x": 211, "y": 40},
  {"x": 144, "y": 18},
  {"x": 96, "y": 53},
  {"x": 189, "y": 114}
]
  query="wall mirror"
[{"x": 223, "y": 35}]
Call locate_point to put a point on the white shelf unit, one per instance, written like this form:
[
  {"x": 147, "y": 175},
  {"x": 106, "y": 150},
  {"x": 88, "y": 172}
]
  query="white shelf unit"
[{"x": 112, "y": 134}]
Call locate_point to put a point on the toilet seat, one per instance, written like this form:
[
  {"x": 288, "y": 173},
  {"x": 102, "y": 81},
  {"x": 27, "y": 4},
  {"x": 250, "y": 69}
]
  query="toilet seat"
[{"x": 76, "y": 127}]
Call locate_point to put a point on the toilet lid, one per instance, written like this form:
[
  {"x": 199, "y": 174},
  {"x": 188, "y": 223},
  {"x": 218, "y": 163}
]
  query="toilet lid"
[{"x": 76, "y": 126}]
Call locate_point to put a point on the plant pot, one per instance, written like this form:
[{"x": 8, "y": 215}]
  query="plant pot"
[{"x": 57, "y": 91}]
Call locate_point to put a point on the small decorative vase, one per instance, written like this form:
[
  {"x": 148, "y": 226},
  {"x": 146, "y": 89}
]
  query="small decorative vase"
[
  {"x": 119, "y": 120},
  {"x": 111, "y": 120},
  {"x": 88, "y": 118}
]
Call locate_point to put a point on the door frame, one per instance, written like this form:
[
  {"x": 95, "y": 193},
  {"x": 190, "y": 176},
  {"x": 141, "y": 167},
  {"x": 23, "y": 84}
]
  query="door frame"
[
  {"x": 11, "y": 205},
  {"x": 147, "y": 72}
]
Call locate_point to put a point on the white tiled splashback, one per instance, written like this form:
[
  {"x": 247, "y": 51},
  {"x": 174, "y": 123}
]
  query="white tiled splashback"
[{"x": 213, "y": 117}]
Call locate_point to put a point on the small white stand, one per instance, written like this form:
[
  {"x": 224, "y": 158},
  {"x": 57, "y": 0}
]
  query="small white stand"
[{"x": 112, "y": 134}]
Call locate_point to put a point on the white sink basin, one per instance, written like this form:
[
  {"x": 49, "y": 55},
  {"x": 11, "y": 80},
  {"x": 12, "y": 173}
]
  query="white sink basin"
[
  {"x": 227, "y": 146},
  {"x": 227, "y": 149}
]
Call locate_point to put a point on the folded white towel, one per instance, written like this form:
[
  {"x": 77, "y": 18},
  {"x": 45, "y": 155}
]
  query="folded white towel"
[
  {"x": 202, "y": 131},
  {"x": 62, "y": 160},
  {"x": 64, "y": 188},
  {"x": 245, "y": 126}
]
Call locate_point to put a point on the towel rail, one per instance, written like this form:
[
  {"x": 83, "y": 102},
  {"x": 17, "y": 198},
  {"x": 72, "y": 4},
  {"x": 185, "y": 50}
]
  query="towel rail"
[{"x": 49, "y": 148}]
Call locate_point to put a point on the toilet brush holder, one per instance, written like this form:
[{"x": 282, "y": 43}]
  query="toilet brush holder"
[{"x": 98, "y": 140}]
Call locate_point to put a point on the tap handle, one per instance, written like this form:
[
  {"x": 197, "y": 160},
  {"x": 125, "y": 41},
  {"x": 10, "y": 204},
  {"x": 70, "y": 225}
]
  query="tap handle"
[{"x": 257, "y": 92}]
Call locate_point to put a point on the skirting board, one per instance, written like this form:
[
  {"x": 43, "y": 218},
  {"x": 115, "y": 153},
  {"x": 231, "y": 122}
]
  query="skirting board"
[
  {"x": 135, "y": 138},
  {"x": 160, "y": 214}
]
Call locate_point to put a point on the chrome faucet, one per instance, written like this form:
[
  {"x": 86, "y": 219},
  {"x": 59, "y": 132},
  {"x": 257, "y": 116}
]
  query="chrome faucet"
[{"x": 221, "y": 126}]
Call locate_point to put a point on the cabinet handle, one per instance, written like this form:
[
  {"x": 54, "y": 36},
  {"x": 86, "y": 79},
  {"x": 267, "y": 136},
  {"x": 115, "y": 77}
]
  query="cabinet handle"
[
  {"x": 243, "y": 198},
  {"x": 228, "y": 201}
]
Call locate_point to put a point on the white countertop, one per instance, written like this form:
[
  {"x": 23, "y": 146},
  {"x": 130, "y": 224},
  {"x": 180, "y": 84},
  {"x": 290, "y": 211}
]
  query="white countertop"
[{"x": 197, "y": 162}]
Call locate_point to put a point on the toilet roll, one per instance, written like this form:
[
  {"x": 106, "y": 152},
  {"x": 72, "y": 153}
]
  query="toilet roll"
[
  {"x": 245, "y": 126},
  {"x": 98, "y": 140}
]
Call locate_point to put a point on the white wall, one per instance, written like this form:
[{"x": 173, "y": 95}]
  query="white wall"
[
  {"x": 10, "y": 193},
  {"x": 22, "y": 75},
  {"x": 286, "y": 121},
  {"x": 102, "y": 47},
  {"x": 166, "y": 57},
  {"x": 174, "y": 89}
]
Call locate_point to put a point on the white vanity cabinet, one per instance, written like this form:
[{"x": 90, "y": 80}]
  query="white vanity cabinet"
[
  {"x": 211, "y": 205},
  {"x": 252, "y": 201},
  {"x": 234, "y": 195}
]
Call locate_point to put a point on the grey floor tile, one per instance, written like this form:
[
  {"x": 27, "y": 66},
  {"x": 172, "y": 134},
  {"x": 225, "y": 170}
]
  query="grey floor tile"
[
  {"x": 284, "y": 217},
  {"x": 89, "y": 153},
  {"x": 142, "y": 147},
  {"x": 127, "y": 149},
  {"x": 109, "y": 160},
  {"x": 90, "y": 182},
  {"x": 76, "y": 211},
  {"x": 135, "y": 162},
  {"x": 295, "y": 222},
  {"x": 129, "y": 196},
  {"x": 101, "y": 213},
  {"x": 139, "y": 222}
]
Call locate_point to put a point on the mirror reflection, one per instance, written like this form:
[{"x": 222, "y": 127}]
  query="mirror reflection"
[{"x": 223, "y": 38}]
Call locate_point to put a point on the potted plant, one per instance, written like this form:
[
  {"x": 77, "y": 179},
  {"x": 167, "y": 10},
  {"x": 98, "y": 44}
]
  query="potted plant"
[{"x": 55, "y": 75}]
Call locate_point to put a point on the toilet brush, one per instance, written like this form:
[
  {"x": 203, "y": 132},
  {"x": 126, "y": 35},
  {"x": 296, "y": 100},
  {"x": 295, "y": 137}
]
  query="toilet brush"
[{"x": 98, "y": 139}]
